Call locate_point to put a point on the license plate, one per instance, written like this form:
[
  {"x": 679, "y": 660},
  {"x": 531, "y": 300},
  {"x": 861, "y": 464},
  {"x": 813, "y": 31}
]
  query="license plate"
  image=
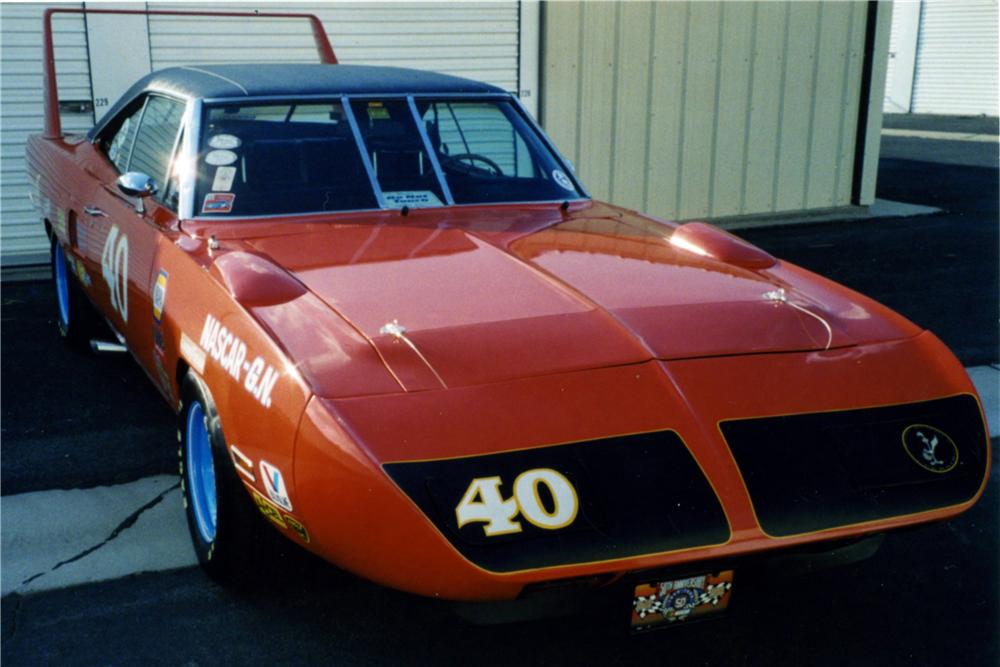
[{"x": 662, "y": 603}]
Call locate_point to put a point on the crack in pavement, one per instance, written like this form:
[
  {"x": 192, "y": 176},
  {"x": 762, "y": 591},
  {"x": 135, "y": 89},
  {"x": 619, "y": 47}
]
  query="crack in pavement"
[{"x": 127, "y": 523}]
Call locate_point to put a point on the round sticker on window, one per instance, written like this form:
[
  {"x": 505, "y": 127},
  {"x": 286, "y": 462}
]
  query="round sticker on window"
[
  {"x": 224, "y": 141},
  {"x": 562, "y": 180},
  {"x": 220, "y": 158}
]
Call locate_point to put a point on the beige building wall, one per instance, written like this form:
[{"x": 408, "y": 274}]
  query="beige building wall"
[{"x": 711, "y": 109}]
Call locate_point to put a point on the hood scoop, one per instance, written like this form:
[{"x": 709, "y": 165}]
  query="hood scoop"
[
  {"x": 708, "y": 241},
  {"x": 255, "y": 281}
]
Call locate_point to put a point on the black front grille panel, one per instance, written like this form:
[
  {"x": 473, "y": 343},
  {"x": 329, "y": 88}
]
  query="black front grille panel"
[
  {"x": 812, "y": 472},
  {"x": 638, "y": 494}
]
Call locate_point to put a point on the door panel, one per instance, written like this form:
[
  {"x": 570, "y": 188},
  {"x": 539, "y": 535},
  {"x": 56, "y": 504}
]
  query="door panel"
[{"x": 122, "y": 242}]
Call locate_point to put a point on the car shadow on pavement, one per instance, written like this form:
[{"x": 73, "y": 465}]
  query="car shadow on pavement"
[{"x": 72, "y": 420}]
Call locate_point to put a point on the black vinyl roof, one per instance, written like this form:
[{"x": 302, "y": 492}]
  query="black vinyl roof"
[{"x": 272, "y": 79}]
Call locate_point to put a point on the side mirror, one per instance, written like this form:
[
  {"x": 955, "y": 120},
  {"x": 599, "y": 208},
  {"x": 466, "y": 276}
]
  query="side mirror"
[{"x": 137, "y": 184}]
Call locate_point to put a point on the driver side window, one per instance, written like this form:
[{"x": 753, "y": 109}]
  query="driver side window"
[{"x": 145, "y": 140}]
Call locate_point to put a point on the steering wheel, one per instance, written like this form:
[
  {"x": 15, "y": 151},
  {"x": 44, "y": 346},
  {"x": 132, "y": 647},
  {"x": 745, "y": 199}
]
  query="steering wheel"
[{"x": 474, "y": 157}]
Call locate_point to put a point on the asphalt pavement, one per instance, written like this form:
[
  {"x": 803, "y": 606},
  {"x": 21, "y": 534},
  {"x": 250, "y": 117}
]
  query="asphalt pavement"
[{"x": 78, "y": 426}]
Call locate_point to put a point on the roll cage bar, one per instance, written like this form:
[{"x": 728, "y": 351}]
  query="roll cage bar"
[{"x": 53, "y": 124}]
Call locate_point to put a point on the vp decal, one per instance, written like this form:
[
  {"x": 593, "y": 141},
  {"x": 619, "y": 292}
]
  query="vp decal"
[
  {"x": 932, "y": 449},
  {"x": 483, "y": 503},
  {"x": 274, "y": 484}
]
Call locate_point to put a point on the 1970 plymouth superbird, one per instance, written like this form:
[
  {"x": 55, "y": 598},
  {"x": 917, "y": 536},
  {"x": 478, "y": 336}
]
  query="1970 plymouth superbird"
[{"x": 395, "y": 327}]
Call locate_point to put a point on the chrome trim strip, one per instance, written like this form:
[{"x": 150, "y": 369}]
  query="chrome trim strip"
[
  {"x": 354, "y": 96},
  {"x": 363, "y": 149},
  {"x": 431, "y": 154},
  {"x": 189, "y": 161},
  {"x": 548, "y": 144}
]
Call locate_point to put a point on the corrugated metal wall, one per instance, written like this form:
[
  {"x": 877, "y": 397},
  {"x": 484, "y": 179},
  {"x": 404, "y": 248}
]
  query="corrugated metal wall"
[
  {"x": 708, "y": 109},
  {"x": 957, "y": 58},
  {"x": 22, "y": 239}
]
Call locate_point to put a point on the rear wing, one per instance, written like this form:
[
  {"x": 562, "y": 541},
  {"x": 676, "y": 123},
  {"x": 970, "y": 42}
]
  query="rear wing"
[{"x": 53, "y": 124}]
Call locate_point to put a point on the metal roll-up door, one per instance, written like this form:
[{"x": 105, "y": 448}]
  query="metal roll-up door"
[
  {"x": 957, "y": 58},
  {"x": 475, "y": 40},
  {"x": 22, "y": 236}
]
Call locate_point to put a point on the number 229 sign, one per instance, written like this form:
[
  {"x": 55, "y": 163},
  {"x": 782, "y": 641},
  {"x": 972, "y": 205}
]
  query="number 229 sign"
[{"x": 114, "y": 268}]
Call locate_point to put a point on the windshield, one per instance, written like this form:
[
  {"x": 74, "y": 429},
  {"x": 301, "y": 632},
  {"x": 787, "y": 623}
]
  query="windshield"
[{"x": 287, "y": 158}]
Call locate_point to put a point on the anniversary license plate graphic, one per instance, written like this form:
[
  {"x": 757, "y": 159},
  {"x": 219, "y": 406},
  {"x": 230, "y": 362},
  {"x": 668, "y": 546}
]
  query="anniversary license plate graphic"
[{"x": 665, "y": 602}]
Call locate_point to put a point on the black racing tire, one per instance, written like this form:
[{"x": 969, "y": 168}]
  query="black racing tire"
[
  {"x": 230, "y": 546},
  {"x": 75, "y": 316}
]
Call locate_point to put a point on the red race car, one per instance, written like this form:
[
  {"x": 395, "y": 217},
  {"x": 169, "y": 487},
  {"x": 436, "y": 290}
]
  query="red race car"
[{"x": 393, "y": 323}]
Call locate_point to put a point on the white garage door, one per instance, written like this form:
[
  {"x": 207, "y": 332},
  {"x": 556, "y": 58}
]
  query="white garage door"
[
  {"x": 475, "y": 40},
  {"x": 957, "y": 60},
  {"x": 22, "y": 239}
]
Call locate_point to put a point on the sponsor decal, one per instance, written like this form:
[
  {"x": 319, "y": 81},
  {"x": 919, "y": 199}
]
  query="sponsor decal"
[
  {"x": 219, "y": 158},
  {"x": 227, "y": 141},
  {"x": 297, "y": 526},
  {"x": 483, "y": 503},
  {"x": 562, "y": 180},
  {"x": 268, "y": 509},
  {"x": 158, "y": 338},
  {"x": 218, "y": 202},
  {"x": 243, "y": 463},
  {"x": 930, "y": 448},
  {"x": 275, "y": 516},
  {"x": 114, "y": 268},
  {"x": 81, "y": 272},
  {"x": 411, "y": 198},
  {"x": 256, "y": 376},
  {"x": 224, "y": 177},
  {"x": 159, "y": 296},
  {"x": 274, "y": 484}
]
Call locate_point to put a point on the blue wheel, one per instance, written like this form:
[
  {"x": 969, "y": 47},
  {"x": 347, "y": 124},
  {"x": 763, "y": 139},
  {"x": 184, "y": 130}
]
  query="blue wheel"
[
  {"x": 75, "y": 316},
  {"x": 62, "y": 284},
  {"x": 227, "y": 531},
  {"x": 201, "y": 474}
]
